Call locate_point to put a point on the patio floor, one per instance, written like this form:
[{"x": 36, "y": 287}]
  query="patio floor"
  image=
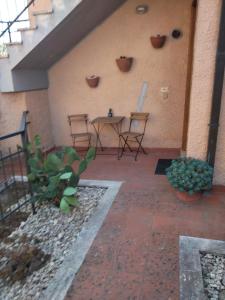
[{"x": 135, "y": 255}]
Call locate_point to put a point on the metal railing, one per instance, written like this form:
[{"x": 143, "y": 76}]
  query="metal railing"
[
  {"x": 15, "y": 190},
  {"x": 10, "y": 35},
  {"x": 8, "y": 28}
]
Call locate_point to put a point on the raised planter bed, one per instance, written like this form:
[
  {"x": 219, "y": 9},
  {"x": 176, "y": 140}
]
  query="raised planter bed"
[
  {"x": 60, "y": 240},
  {"x": 202, "y": 269}
]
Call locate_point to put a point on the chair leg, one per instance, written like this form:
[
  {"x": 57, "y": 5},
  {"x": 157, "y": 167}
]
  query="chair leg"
[
  {"x": 123, "y": 148},
  {"x": 143, "y": 150},
  {"x": 126, "y": 144},
  {"x": 139, "y": 147},
  {"x": 118, "y": 151}
]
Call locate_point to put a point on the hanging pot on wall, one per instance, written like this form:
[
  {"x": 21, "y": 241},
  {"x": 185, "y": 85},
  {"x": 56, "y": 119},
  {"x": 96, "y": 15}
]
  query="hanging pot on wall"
[
  {"x": 92, "y": 81},
  {"x": 158, "y": 41},
  {"x": 124, "y": 63}
]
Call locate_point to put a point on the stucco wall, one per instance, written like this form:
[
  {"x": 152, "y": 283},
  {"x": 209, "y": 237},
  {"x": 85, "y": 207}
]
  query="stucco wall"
[
  {"x": 126, "y": 33},
  {"x": 220, "y": 154},
  {"x": 39, "y": 116},
  {"x": 203, "y": 76},
  {"x": 11, "y": 108}
]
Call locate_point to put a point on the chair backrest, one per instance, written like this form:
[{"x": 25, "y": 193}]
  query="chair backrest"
[
  {"x": 139, "y": 117},
  {"x": 78, "y": 121}
]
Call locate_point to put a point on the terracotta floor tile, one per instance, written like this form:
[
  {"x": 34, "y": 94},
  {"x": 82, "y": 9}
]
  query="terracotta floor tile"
[{"x": 135, "y": 255}]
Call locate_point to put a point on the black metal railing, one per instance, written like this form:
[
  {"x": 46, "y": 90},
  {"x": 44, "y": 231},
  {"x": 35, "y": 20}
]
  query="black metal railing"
[
  {"x": 16, "y": 19},
  {"x": 8, "y": 28},
  {"x": 15, "y": 190},
  {"x": 8, "y": 33}
]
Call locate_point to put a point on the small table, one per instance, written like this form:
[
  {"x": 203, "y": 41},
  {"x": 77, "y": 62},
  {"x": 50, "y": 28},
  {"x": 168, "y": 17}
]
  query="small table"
[{"x": 100, "y": 122}]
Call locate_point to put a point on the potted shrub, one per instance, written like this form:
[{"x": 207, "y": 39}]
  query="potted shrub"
[
  {"x": 158, "y": 41},
  {"x": 124, "y": 63},
  {"x": 92, "y": 81},
  {"x": 190, "y": 177}
]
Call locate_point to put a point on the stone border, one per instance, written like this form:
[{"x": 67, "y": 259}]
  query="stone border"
[
  {"x": 62, "y": 281},
  {"x": 191, "y": 281}
]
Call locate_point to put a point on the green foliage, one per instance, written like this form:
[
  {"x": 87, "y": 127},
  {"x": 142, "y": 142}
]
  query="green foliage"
[
  {"x": 3, "y": 50},
  {"x": 190, "y": 175},
  {"x": 52, "y": 177}
]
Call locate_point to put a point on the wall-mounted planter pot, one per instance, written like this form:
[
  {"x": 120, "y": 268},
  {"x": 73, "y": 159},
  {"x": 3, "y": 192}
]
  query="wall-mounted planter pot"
[
  {"x": 158, "y": 41},
  {"x": 124, "y": 63},
  {"x": 92, "y": 81}
]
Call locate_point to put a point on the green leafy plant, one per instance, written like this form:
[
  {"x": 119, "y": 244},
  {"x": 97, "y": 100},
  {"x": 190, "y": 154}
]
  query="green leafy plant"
[
  {"x": 52, "y": 176},
  {"x": 190, "y": 175},
  {"x": 3, "y": 50}
]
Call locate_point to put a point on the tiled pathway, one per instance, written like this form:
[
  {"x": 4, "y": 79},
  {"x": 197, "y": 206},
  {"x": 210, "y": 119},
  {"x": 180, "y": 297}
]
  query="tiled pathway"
[{"x": 135, "y": 255}]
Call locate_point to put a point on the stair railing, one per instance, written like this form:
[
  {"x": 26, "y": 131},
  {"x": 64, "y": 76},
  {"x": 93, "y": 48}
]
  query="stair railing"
[{"x": 15, "y": 20}]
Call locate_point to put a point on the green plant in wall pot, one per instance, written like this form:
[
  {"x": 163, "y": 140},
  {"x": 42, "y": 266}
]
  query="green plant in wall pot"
[
  {"x": 52, "y": 177},
  {"x": 190, "y": 177}
]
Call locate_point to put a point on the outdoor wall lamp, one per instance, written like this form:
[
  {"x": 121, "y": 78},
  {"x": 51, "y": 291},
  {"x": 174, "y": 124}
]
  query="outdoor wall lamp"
[{"x": 141, "y": 9}]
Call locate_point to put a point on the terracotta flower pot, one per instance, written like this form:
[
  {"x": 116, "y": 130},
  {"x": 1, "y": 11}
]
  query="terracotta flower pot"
[
  {"x": 93, "y": 81},
  {"x": 124, "y": 63},
  {"x": 184, "y": 196},
  {"x": 158, "y": 41}
]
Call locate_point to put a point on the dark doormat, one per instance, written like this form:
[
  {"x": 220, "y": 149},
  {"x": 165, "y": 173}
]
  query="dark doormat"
[{"x": 162, "y": 165}]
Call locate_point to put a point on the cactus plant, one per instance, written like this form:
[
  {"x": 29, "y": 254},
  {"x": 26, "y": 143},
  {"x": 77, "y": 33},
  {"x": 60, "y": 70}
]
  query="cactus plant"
[{"x": 52, "y": 176}]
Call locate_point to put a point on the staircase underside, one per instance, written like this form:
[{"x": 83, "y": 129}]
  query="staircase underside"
[{"x": 29, "y": 72}]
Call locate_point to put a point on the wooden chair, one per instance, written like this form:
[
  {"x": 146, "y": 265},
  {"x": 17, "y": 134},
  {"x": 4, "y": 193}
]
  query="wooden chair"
[
  {"x": 83, "y": 135},
  {"x": 131, "y": 135}
]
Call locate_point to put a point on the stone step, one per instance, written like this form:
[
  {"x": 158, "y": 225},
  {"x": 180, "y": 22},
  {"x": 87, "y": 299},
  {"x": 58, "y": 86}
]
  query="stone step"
[
  {"x": 43, "y": 12},
  {"x": 27, "y": 29}
]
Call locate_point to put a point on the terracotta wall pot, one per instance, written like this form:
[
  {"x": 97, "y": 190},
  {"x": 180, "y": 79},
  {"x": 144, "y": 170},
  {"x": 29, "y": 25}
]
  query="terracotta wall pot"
[
  {"x": 93, "y": 81},
  {"x": 124, "y": 63},
  {"x": 158, "y": 41},
  {"x": 184, "y": 196}
]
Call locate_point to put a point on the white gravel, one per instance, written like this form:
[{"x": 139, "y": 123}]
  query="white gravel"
[
  {"x": 213, "y": 270},
  {"x": 53, "y": 232}
]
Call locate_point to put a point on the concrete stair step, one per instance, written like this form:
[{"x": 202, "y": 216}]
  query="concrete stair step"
[
  {"x": 43, "y": 12},
  {"x": 4, "y": 56},
  {"x": 14, "y": 44},
  {"x": 27, "y": 29},
  {"x": 47, "y": 40}
]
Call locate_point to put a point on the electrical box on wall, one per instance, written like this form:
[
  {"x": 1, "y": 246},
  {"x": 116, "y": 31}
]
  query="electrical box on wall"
[{"x": 165, "y": 92}]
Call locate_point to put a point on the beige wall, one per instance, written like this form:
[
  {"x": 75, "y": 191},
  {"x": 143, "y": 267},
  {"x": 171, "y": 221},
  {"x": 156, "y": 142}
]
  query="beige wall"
[
  {"x": 126, "y": 33},
  {"x": 202, "y": 87},
  {"x": 11, "y": 108},
  {"x": 220, "y": 154},
  {"x": 39, "y": 116},
  {"x": 203, "y": 76}
]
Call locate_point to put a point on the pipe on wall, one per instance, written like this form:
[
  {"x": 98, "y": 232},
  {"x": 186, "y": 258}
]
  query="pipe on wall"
[{"x": 217, "y": 91}]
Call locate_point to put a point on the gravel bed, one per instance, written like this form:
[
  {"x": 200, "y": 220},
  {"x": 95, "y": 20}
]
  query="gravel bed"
[
  {"x": 53, "y": 233},
  {"x": 213, "y": 270}
]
